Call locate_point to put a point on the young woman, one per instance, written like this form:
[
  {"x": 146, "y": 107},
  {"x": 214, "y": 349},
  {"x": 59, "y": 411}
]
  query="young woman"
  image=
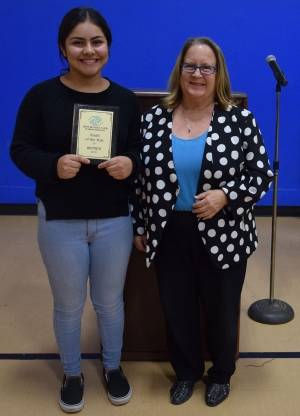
[{"x": 84, "y": 225}]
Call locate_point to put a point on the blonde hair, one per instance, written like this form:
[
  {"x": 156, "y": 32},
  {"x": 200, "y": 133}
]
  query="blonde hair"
[{"x": 223, "y": 90}]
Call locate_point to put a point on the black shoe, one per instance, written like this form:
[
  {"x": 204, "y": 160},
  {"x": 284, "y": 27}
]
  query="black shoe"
[
  {"x": 119, "y": 390},
  {"x": 216, "y": 394},
  {"x": 181, "y": 391},
  {"x": 71, "y": 394}
]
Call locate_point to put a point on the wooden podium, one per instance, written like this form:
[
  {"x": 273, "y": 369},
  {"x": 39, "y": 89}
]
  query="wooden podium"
[{"x": 144, "y": 333}]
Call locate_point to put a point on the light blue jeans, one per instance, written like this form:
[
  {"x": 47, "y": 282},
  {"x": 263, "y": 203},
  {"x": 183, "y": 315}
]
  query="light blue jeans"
[{"x": 72, "y": 251}]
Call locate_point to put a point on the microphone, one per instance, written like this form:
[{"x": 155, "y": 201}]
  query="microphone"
[{"x": 278, "y": 74}]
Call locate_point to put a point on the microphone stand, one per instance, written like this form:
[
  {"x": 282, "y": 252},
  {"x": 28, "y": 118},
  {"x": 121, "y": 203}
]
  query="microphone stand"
[{"x": 273, "y": 311}]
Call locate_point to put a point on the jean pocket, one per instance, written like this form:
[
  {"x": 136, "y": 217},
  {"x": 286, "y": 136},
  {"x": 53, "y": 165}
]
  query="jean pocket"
[{"x": 41, "y": 210}]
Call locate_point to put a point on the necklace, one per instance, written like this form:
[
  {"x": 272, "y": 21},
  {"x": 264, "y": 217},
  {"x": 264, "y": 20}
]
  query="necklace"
[{"x": 191, "y": 126}]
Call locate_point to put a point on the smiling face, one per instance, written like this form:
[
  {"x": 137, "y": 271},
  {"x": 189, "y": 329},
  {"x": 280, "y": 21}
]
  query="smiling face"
[
  {"x": 196, "y": 86},
  {"x": 86, "y": 50}
]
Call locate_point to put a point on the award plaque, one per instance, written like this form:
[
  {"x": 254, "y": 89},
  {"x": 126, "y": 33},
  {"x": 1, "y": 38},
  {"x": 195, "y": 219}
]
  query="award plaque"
[{"x": 95, "y": 132}]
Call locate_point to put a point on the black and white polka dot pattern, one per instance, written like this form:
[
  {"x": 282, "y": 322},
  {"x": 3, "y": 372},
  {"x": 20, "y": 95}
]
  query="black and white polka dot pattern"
[{"x": 234, "y": 160}]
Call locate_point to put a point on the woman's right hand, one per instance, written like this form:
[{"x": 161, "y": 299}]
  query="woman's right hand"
[
  {"x": 140, "y": 241},
  {"x": 68, "y": 165}
]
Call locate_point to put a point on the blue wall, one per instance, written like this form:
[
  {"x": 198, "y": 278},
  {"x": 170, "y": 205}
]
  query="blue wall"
[{"x": 147, "y": 37}]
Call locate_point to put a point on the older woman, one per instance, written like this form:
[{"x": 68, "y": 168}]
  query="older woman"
[{"x": 204, "y": 166}]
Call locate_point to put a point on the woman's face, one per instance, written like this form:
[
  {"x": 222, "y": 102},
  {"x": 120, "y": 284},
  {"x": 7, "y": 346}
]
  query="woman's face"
[
  {"x": 198, "y": 86},
  {"x": 86, "y": 50}
]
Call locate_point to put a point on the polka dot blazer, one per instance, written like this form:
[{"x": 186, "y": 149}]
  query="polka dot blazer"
[{"x": 234, "y": 160}]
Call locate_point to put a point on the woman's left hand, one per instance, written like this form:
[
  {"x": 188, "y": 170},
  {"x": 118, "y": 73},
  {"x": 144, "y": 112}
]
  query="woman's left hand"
[
  {"x": 209, "y": 203},
  {"x": 119, "y": 167}
]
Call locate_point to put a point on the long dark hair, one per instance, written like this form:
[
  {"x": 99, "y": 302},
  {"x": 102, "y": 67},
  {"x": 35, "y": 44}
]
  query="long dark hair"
[{"x": 80, "y": 15}]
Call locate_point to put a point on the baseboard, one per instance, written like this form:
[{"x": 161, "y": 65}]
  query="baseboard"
[
  {"x": 282, "y": 211},
  {"x": 260, "y": 211},
  {"x": 18, "y": 209}
]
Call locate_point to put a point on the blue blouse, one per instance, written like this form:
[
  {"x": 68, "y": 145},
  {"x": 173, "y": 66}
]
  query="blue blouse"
[{"x": 187, "y": 155}]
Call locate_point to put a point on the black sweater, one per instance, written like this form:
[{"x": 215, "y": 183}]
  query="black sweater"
[{"x": 43, "y": 134}]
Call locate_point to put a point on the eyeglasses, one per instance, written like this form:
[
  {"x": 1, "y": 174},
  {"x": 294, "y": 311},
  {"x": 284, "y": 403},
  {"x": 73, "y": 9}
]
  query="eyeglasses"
[{"x": 204, "y": 69}]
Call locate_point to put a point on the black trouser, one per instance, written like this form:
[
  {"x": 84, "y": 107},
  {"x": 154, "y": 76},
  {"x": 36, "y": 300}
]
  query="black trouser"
[{"x": 185, "y": 273}]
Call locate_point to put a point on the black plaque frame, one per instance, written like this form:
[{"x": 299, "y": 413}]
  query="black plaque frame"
[{"x": 113, "y": 145}]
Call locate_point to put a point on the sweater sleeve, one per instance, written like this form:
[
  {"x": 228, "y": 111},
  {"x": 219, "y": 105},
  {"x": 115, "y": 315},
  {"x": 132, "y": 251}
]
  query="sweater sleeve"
[
  {"x": 26, "y": 149},
  {"x": 133, "y": 145},
  {"x": 255, "y": 176}
]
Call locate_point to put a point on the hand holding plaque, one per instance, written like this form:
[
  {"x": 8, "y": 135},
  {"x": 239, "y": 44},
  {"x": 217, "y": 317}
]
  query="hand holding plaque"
[{"x": 95, "y": 132}]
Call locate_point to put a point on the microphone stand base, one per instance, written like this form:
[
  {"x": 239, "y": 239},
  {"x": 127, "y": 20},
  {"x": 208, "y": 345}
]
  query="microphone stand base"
[{"x": 272, "y": 313}]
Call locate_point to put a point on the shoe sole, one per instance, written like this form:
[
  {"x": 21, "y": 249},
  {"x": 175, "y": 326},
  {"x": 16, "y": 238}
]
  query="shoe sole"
[
  {"x": 117, "y": 401},
  {"x": 71, "y": 408}
]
